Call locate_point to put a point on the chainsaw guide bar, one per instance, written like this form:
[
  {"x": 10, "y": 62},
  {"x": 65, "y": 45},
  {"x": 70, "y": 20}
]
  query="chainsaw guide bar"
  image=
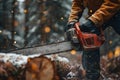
[{"x": 54, "y": 48}]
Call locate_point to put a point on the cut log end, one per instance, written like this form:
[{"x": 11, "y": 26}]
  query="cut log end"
[{"x": 40, "y": 68}]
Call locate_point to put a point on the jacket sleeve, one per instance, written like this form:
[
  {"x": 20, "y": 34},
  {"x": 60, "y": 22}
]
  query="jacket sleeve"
[
  {"x": 105, "y": 12},
  {"x": 76, "y": 10}
]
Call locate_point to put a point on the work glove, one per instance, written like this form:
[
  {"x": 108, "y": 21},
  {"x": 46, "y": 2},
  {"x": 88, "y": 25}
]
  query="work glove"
[
  {"x": 69, "y": 25},
  {"x": 70, "y": 30},
  {"x": 71, "y": 35},
  {"x": 89, "y": 26}
]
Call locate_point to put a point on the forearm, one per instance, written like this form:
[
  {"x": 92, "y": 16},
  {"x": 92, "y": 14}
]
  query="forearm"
[
  {"x": 76, "y": 10},
  {"x": 105, "y": 12}
]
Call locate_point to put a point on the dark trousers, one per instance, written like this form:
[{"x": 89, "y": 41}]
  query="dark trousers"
[{"x": 91, "y": 59}]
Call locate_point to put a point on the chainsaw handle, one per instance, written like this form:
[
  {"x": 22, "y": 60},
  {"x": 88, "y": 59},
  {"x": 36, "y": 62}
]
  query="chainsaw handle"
[
  {"x": 77, "y": 28},
  {"x": 79, "y": 33}
]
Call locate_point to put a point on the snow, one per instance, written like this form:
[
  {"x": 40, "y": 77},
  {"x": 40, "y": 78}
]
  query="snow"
[
  {"x": 21, "y": 0},
  {"x": 20, "y": 60},
  {"x": 56, "y": 57},
  {"x": 71, "y": 75},
  {"x": 15, "y": 59}
]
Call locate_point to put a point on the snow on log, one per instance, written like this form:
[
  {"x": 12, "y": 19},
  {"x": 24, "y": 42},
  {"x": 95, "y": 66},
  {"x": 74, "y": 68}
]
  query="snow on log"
[{"x": 32, "y": 67}]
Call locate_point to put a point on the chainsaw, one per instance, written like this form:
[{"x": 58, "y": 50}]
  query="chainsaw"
[{"x": 87, "y": 41}]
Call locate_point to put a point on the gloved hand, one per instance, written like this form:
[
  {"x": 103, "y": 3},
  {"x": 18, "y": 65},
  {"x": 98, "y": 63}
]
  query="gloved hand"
[
  {"x": 71, "y": 35},
  {"x": 69, "y": 30},
  {"x": 69, "y": 25},
  {"x": 89, "y": 26}
]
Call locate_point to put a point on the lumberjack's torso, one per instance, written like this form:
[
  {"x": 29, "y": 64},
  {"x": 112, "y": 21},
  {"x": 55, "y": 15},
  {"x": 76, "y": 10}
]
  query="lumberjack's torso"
[{"x": 92, "y": 5}]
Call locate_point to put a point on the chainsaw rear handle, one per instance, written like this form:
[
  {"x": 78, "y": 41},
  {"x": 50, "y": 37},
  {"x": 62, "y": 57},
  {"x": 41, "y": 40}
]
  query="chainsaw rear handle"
[{"x": 89, "y": 41}]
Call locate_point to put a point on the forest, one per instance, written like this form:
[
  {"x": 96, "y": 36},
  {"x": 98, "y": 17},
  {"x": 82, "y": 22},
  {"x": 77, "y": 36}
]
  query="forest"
[{"x": 26, "y": 23}]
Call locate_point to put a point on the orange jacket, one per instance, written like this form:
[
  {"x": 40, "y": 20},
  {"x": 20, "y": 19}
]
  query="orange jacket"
[{"x": 100, "y": 11}]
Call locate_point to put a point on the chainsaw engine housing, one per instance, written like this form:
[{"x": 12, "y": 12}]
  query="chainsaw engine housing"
[{"x": 89, "y": 41}]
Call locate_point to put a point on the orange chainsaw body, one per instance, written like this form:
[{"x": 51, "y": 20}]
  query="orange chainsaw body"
[{"x": 89, "y": 41}]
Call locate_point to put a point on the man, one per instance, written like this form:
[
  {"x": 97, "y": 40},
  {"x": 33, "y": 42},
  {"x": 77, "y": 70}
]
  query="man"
[{"x": 102, "y": 13}]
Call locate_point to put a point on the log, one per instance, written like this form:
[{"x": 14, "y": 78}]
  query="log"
[
  {"x": 52, "y": 67},
  {"x": 35, "y": 68},
  {"x": 9, "y": 72},
  {"x": 40, "y": 68}
]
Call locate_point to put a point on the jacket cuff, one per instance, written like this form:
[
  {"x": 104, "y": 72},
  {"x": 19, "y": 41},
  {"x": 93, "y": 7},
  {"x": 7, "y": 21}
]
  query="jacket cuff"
[
  {"x": 72, "y": 21},
  {"x": 96, "y": 21}
]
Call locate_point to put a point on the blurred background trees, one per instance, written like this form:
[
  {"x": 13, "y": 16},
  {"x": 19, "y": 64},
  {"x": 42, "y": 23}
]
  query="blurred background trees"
[
  {"x": 31, "y": 22},
  {"x": 28, "y": 22}
]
